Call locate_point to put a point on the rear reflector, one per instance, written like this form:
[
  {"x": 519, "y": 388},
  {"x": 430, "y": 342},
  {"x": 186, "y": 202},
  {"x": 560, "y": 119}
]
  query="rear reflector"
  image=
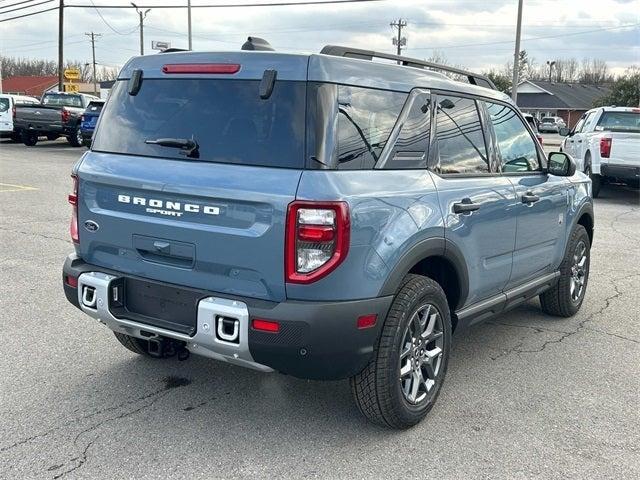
[
  {"x": 367, "y": 321},
  {"x": 265, "y": 325},
  {"x": 71, "y": 281},
  {"x": 213, "y": 68},
  {"x": 73, "y": 200}
]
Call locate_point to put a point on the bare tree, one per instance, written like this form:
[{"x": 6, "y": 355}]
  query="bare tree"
[
  {"x": 13, "y": 67},
  {"x": 594, "y": 71}
]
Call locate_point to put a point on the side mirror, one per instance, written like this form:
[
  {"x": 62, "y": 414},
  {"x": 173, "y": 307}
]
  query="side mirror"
[
  {"x": 563, "y": 131},
  {"x": 561, "y": 164}
]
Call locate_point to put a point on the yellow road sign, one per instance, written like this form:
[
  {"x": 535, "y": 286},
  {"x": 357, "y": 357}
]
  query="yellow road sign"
[
  {"x": 71, "y": 87},
  {"x": 72, "y": 74}
]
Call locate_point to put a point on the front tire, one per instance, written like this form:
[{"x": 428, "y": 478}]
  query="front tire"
[
  {"x": 402, "y": 381},
  {"x": 566, "y": 297}
]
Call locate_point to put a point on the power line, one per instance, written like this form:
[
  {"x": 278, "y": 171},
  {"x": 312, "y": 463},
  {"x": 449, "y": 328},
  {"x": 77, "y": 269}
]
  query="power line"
[
  {"x": 104, "y": 20},
  {"x": 25, "y": 6},
  {"x": 530, "y": 38},
  {"x": 18, "y": 3},
  {"x": 29, "y": 14},
  {"x": 256, "y": 4}
]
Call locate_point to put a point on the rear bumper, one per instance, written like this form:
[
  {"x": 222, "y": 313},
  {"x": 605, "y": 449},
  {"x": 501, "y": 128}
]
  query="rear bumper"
[
  {"x": 317, "y": 340},
  {"x": 622, "y": 172}
]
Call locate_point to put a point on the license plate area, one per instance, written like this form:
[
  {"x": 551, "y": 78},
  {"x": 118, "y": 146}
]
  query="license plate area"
[{"x": 155, "y": 304}]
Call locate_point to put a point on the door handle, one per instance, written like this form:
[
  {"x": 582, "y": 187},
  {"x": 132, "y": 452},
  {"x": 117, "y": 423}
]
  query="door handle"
[
  {"x": 529, "y": 198},
  {"x": 579, "y": 141},
  {"x": 465, "y": 206}
]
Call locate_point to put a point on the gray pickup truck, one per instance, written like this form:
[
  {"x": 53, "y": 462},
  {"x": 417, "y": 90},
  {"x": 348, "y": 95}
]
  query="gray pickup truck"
[{"x": 58, "y": 114}]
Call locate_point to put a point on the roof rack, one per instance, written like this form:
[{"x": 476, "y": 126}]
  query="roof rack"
[{"x": 472, "y": 78}]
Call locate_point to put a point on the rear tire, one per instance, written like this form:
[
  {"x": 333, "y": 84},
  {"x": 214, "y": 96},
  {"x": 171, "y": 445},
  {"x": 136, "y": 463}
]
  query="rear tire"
[
  {"x": 413, "y": 349},
  {"x": 565, "y": 299},
  {"x": 75, "y": 139},
  {"x": 596, "y": 185},
  {"x": 136, "y": 345},
  {"x": 29, "y": 139}
]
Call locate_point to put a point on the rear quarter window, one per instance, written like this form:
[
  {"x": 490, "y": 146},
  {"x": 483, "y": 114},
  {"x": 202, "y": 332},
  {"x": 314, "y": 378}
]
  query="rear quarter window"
[{"x": 4, "y": 105}]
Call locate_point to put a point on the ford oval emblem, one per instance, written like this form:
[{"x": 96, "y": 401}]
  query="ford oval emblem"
[{"x": 91, "y": 225}]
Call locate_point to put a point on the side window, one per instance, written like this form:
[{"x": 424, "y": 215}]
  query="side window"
[
  {"x": 579, "y": 125},
  {"x": 461, "y": 147},
  {"x": 587, "y": 125},
  {"x": 365, "y": 120},
  {"x": 411, "y": 145},
  {"x": 517, "y": 149}
]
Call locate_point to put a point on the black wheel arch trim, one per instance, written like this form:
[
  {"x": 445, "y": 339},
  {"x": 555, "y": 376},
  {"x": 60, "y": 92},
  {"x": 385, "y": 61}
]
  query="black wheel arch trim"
[
  {"x": 585, "y": 208},
  {"x": 430, "y": 247}
]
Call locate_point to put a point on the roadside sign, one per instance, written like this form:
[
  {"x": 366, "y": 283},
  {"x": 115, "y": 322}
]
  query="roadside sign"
[
  {"x": 72, "y": 74},
  {"x": 71, "y": 87},
  {"x": 158, "y": 45}
]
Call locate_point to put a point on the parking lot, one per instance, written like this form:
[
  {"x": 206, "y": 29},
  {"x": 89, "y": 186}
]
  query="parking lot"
[{"x": 526, "y": 395}]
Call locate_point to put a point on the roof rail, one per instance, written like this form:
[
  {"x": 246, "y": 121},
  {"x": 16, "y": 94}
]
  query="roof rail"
[{"x": 472, "y": 78}]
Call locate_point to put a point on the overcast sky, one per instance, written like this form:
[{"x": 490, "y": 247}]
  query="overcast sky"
[{"x": 478, "y": 34}]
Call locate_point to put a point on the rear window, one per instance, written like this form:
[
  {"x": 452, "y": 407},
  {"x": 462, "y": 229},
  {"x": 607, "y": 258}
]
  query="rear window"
[
  {"x": 62, "y": 100},
  {"x": 619, "y": 122},
  {"x": 227, "y": 118},
  {"x": 95, "y": 107},
  {"x": 4, "y": 105},
  {"x": 548, "y": 120}
]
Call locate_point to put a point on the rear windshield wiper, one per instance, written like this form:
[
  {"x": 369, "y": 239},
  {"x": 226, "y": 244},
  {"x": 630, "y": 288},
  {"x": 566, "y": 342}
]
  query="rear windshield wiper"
[{"x": 188, "y": 146}]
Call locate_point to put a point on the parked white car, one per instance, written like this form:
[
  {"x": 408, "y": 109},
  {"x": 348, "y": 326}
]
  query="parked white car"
[
  {"x": 8, "y": 103},
  {"x": 551, "y": 124},
  {"x": 605, "y": 144}
]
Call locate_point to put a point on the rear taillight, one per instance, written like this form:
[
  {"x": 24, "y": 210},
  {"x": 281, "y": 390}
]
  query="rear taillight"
[
  {"x": 64, "y": 113},
  {"x": 13, "y": 112},
  {"x": 605, "y": 147},
  {"x": 539, "y": 137},
  {"x": 211, "y": 68},
  {"x": 317, "y": 239},
  {"x": 73, "y": 200}
]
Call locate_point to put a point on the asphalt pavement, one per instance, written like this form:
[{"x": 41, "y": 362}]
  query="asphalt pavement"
[{"x": 526, "y": 395}]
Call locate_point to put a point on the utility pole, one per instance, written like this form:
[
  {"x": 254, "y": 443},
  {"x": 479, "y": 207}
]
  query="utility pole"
[
  {"x": 142, "y": 16},
  {"x": 189, "y": 23},
  {"x": 399, "y": 41},
  {"x": 550, "y": 64},
  {"x": 60, "y": 45},
  {"x": 93, "y": 53},
  {"x": 516, "y": 55}
]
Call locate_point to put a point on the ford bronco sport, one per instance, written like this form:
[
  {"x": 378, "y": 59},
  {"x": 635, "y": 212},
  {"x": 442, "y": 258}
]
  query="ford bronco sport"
[{"x": 324, "y": 216}]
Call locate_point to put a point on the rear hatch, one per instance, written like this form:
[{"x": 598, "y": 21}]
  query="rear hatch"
[
  {"x": 624, "y": 128},
  {"x": 211, "y": 217},
  {"x": 90, "y": 116}
]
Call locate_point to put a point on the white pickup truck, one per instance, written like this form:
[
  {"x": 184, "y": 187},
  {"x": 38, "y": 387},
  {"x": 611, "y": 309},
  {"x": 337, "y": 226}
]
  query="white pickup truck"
[{"x": 605, "y": 144}]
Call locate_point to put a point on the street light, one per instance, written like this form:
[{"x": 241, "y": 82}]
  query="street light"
[{"x": 142, "y": 16}]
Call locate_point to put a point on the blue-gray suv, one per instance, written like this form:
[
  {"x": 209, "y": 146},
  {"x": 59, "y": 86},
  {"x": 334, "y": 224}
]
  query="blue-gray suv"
[{"x": 325, "y": 216}]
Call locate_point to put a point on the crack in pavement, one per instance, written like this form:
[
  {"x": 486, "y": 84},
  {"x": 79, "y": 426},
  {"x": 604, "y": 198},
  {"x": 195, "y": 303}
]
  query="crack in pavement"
[
  {"x": 616, "y": 218},
  {"x": 170, "y": 384},
  {"x": 32, "y": 234},
  {"x": 581, "y": 325}
]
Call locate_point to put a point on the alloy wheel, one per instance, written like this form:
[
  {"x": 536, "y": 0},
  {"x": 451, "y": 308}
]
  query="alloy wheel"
[
  {"x": 579, "y": 271},
  {"x": 421, "y": 354}
]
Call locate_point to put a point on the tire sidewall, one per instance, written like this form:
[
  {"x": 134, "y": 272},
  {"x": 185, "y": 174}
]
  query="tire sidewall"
[
  {"x": 579, "y": 234},
  {"x": 426, "y": 293}
]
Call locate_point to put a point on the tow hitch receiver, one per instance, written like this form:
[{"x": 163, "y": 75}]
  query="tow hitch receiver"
[{"x": 161, "y": 347}]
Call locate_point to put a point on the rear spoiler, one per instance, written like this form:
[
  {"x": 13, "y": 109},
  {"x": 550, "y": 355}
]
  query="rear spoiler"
[{"x": 472, "y": 78}]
